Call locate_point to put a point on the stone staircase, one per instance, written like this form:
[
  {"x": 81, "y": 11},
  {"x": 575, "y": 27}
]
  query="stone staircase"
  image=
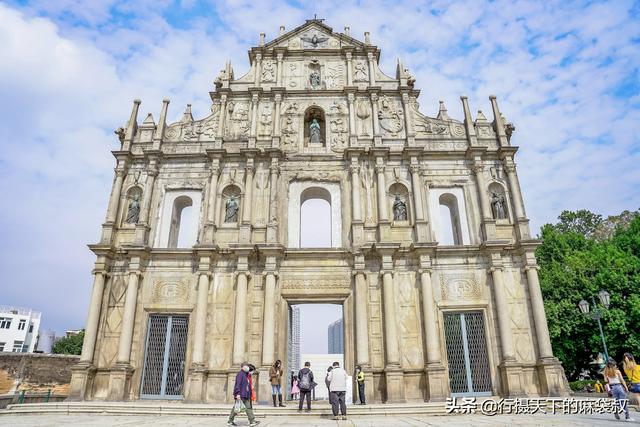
[{"x": 160, "y": 408}]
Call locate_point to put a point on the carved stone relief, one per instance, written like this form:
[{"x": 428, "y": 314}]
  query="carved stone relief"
[
  {"x": 237, "y": 120},
  {"x": 361, "y": 73},
  {"x": 458, "y": 288},
  {"x": 334, "y": 76},
  {"x": 268, "y": 71},
  {"x": 174, "y": 292},
  {"x": 338, "y": 126},
  {"x": 408, "y": 315},
  {"x": 266, "y": 115},
  {"x": 391, "y": 117},
  {"x": 363, "y": 112}
]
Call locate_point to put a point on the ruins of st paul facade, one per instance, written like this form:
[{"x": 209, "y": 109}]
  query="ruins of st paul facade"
[{"x": 430, "y": 254}]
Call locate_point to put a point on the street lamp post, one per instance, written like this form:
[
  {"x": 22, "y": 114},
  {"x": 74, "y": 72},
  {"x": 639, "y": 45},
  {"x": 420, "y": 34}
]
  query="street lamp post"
[{"x": 597, "y": 314}]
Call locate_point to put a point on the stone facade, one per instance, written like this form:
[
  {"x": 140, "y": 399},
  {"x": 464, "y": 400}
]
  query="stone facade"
[{"x": 427, "y": 221}]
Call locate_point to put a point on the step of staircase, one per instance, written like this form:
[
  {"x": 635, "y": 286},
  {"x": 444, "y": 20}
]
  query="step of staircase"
[{"x": 177, "y": 408}]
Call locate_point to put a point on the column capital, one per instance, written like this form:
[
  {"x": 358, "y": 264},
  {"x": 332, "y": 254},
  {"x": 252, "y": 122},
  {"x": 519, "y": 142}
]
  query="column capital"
[
  {"x": 414, "y": 169},
  {"x": 496, "y": 268},
  {"x": 379, "y": 168},
  {"x": 425, "y": 270},
  {"x": 531, "y": 267}
]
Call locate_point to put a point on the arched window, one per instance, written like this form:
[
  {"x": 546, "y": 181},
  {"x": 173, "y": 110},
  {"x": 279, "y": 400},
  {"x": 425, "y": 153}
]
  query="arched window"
[
  {"x": 315, "y": 128},
  {"x": 498, "y": 202},
  {"x": 315, "y": 218},
  {"x": 319, "y": 222},
  {"x": 399, "y": 199},
  {"x": 181, "y": 218},
  {"x": 230, "y": 211},
  {"x": 449, "y": 220}
]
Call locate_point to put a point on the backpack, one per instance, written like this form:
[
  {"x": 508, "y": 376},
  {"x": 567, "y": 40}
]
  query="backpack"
[{"x": 305, "y": 381}]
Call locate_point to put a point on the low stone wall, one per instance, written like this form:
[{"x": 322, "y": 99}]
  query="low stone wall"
[{"x": 37, "y": 373}]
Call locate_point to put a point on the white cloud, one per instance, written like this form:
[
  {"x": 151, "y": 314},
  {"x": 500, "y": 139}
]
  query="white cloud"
[{"x": 70, "y": 69}]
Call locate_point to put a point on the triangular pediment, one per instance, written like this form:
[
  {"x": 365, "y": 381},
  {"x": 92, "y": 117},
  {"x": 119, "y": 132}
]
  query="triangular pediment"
[{"x": 314, "y": 34}]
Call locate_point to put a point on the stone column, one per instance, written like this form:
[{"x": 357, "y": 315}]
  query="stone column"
[
  {"x": 352, "y": 117},
  {"x": 239, "y": 327},
  {"x": 195, "y": 383},
  {"x": 116, "y": 192},
  {"x": 91, "y": 328},
  {"x": 355, "y": 190},
  {"x": 272, "y": 224},
  {"x": 199, "y": 335},
  {"x": 268, "y": 327},
  {"x": 390, "y": 331},
  {"x": 128, "y": 319},
  {"x": 514, "y": 187},
  {"x": 502, "y": 308},
  {"x": 372, "y": 69},
  {"x": 485, "y": 210},
  {"x": 539, "y": 318},
  {"x": 211, "y": 203},
  {"x": 362, "y": 330},
  {"x": 382, "y": 194},
  {"x": 435, "y": 371},
  {"x": 258, "y": 75},
  {"x": 276, "y": 125},
  {"x": 349, "y": 57},
  {"x": 221, "y": 117},
  {"x": 254, "y": 115},
  {"x": 279, "y": 57},
  {"x": 430, "y": 320},
  {"x": 142, "y": 227},
  {"x": 417, "y": 192},
  {"x": 407, "y": 119},
  {"x": 248, "y": 192},
  {"x": 374, "y": 113}
]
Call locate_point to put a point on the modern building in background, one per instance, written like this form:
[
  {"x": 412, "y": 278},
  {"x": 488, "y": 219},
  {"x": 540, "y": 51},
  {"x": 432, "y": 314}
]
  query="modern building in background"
[
  {"x": 294, "y": 339},
  {"x": 335, "y": 337},
  {"x": 46, "y": 340},
  {"x": 18, "y": 329},
  {"x": 319, "y": 365}
]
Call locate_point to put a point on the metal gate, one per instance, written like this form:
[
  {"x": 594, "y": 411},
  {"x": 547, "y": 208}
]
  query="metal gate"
[
  {"x": 469, "y": 372},
  {"x": 164, "y": 358}
]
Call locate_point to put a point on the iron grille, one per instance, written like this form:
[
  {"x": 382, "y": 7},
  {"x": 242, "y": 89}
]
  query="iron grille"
[
  {"x": 163, "y": 374},
  {"x": 469, "y": 372}
]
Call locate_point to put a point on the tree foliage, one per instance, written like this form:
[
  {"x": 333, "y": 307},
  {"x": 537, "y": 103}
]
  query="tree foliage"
[
  {"x": 69, "y": 345},
  {"x": 581, "y": 255}
]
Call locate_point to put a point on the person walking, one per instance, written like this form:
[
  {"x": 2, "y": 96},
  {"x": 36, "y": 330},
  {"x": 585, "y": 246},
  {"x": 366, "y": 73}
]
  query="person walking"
[
  {"x": 618, "y": 388},
  {"x": 338, "y": 384},
  {"x": 306, "y": 384},
  {"x": 633, "y": 372},
  {"x": 360, "y": 380},
  {"x": 275, "y": 376},
  {"x": 242, "y": 392},
  {"x": 328, "y": 383}
]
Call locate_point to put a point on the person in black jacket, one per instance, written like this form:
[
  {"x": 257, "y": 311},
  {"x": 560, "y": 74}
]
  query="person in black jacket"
[{"x": 306, "y": 384}]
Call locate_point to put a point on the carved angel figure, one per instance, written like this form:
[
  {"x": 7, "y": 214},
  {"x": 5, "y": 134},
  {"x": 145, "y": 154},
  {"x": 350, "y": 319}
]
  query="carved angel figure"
[{"x": 314, "y": 79}]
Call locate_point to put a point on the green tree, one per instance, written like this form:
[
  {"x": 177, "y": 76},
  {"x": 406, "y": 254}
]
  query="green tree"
[
  {"x": 576, "y": 263},
  {"x": 69, "y": 345}
]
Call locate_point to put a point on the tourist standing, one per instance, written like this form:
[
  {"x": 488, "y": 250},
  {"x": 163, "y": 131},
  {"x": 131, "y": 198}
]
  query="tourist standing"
[
  {"x": 360, "y": 380},
  {"x": 275, "y": 376},
  {"x": 338, "y": 384},
  {"x": 328, "y": 383},
  {"x": 632, "y": 369},
  {"x": 242, "y": 392},
  {"x": 618, "y": 388},
  {"x": 295, "y": 390},
  {"x": 306, "y": 384}
]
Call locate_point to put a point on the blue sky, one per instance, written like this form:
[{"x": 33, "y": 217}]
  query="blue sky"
[{"x": 565, "y": 73}]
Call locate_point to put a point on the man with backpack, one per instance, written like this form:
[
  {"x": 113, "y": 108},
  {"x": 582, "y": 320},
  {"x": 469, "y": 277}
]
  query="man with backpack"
[{"x": 306, "y": 384}]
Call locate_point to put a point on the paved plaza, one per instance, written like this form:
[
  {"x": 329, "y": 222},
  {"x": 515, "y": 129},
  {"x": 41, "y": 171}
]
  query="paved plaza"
[{"x": 82, "y": 420}]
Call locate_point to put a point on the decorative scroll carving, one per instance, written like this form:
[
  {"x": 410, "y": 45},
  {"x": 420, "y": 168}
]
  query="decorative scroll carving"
[
  {"x": 170, "y": 293},
  {"x": 361, "y": 73},
  {"x": 458, "y": 287}
]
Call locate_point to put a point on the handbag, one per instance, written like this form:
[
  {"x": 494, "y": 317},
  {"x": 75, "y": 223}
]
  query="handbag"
[{"x": 239, "y": 407}]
